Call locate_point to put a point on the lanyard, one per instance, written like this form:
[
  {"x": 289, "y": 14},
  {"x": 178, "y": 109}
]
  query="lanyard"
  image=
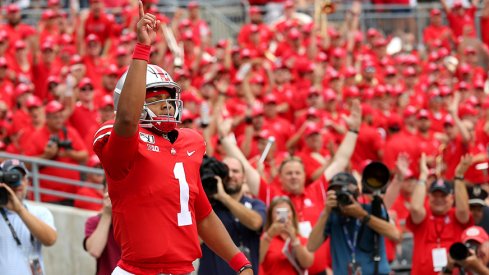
[
  {"x": 352, "y": 243},
  {"x": 12, "y": 230},
  {"x": 439, "y": 231}
]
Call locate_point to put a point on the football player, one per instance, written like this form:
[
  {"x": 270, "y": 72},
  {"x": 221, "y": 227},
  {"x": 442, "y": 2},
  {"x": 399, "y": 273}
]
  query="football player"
[{"x": 152, "y": 169}]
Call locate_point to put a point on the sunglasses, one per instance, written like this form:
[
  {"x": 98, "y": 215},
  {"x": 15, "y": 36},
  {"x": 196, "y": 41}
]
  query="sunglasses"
[{"x": 87, "y": 89}]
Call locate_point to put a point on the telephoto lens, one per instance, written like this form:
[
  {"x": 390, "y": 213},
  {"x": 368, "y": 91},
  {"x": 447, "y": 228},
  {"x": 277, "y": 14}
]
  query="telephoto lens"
[{"x": 459, "y": 251}]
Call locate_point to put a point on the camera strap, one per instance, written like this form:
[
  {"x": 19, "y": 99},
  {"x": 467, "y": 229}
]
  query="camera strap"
[
  {"x": 65, "y": 132},
  {"x": 10, "y": 226},
  {"x": 352, "y": 243}
]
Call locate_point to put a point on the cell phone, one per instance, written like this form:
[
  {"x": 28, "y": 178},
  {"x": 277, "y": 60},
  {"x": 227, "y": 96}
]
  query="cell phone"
[{"x": 282, "y": 214}]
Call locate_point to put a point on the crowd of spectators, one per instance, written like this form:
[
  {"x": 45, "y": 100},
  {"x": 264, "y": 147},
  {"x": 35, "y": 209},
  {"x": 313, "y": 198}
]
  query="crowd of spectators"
[{"x": 289, "y": 84}]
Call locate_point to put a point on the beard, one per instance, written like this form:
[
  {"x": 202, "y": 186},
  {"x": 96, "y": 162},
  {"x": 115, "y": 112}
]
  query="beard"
[{"x": 231, "y": 190}]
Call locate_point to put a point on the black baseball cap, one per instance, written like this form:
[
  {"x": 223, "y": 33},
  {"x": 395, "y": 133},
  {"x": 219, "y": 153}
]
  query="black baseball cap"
[
  {"x": 441, "y": 185},
  {"x": 342, "y": 179},
  {"x": 11, "y": 164},
  {"x": 477, "y": 195}
]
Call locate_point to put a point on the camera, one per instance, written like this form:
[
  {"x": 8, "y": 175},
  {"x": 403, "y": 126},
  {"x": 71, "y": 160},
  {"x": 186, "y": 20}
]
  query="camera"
[
  {"x": 375, "y": 177},
  {"x": 65, "y": 144},
  {"x": 12, "y": 179},
  {"x": 460, "y": 251},
  {"x": 340, "y": 184},
  {"x": 209, "y": 169},
  {"x": 343, "y": 196}
]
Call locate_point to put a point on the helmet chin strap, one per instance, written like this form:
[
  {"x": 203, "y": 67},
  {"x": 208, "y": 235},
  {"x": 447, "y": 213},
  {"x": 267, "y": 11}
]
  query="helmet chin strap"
[{"x": 160, "y": 125}]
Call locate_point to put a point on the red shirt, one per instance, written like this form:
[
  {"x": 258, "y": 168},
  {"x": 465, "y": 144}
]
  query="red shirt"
[
  {"x": 157, "y": 197},
  {"x": 101, "y": 26},
  {"x": 308, "y": 206},
  {"x": 429, "y": 144},
  {"x": 454, "y": 150},
  {"x": 14, "y": 33},
  {"x": 275, "y": 261},
  {"x": 283, "y": 128},
  {"x": 40, "y": 74},
  {"x": 432, "y": 33},
  {"x": 459, "y": 22},
  {"x": 402, "y": 142},
  {"x": 35, "y": 147},
  {"x": 83, "y": 119},
  {"x": 485, "y": 27},
  {"x": 369, "y": 144},
  {"x": 445, "y": 228},
  {"x": 91, "y": 193}
]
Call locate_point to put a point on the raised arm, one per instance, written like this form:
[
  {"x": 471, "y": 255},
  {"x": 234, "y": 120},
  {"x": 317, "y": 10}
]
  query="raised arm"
[
  {"x": 444, "y": 6},
  {"x": 462, "y": 211},
  {"x": 97, "y": 241},
  {"x": 417, "y": 211},
  {"x": 133, "y": 92},
  {"x": 347, "y": 146},
  {"x": 453, "y": 109}
]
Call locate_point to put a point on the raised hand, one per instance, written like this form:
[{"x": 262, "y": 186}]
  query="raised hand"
[
  {"x": 402, "y": 165},
  {"x": 424, "y": 171},
  {"x": 355, "y": 118},
  {"x": 463, "y": 165},
  {"x": 147, "y": 26}
]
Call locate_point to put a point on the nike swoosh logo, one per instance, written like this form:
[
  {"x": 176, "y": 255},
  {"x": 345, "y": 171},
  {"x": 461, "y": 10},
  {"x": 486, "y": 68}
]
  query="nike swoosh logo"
[{"x": 190, "y": 153}]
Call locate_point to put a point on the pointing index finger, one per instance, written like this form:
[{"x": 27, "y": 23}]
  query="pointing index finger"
[{"x": 141, "y": 9}]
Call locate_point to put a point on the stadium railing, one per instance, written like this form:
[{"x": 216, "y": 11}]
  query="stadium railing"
[{"x": 34, "y": 165}]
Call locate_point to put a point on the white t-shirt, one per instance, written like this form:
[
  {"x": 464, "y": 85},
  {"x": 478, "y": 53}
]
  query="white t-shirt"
[{"x": 14, "y": 259}]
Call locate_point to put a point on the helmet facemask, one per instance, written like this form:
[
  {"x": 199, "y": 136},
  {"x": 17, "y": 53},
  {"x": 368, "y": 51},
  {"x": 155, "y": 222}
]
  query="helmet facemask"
[{"x": 167, "y": 120}]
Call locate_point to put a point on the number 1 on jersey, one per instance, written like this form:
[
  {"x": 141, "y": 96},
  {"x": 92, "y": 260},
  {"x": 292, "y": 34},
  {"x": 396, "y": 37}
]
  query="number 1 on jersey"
[{"x": 184, "y": 217}]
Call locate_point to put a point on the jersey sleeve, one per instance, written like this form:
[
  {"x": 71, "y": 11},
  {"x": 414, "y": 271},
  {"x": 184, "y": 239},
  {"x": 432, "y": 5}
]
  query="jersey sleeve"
[{"x": 116, "y": 153}]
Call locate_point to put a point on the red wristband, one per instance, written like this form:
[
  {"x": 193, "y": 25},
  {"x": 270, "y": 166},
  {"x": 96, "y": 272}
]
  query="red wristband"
[
  {"x": 238, "y": 261},
  {"x": 141, "y": 52}
]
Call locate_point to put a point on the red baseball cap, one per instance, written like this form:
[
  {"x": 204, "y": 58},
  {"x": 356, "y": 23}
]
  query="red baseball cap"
[
  {"x": 311, "y": 130},
  {"x": 350, "y": 72},
  {"x": 53, "y": 79},
  {"x": 470, "y": 50},
  {"x": 92, "y": 38},
  {"x": 22, "y": 89},
  {"x": 94, "y": 161},
  {"x": 107, "y": 100},
  {"x": 464, "y": 68},
  {"x": 49, "y": 14},
  {"x": 33, "y": 101},
  {"x": 338, "y": 52},
  {"x": 475, "y": 233},
  {"x": 293, "y": 33},
  {"x": 379, "y": 91},
  {"x": 257, "y": 79},
  {"x": 270, "y": 99},
  {"x": 410, "y": 111},
  {"x": 351, "y": 92},
  {"x": 53, "y": 106},
  {"x": 329, "y": 95},
  {"x": 255, "y": 10},
  {"x": 462, "y": 85},
  {"x": 257, "y": 110},
  {"x": 457, "y": 5},
  {"x": 84, "y": 82},
  {"x": 111, "y": 70},
  {"x": 479, "y": 84},
  {"x": 193, "y": 5},
  {"x": 409, "y": 71},
  {"x": 448, "y": 120},
  {"x": 423, "y": 113},
  {"x": 3, "y": 62},
  {"x": 48, "y": 45},
  {"x": 467, "y": 110},
  {"x": 390, "y": 70},
  {"x": 13, "y": 8},
  {"x": 435, "y": 12},
  {"x": 19, "y": 44},
  {"x": 372, "y": 32},
  {"x": 288, "y": 4},
  {"x": 53, "y": 2}
]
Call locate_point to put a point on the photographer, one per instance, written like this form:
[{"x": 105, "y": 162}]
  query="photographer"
[
  {"x": 351, "y": 228},
  {"x": 24, "y": 228},
  {"x": 242, "y": 216},
  {"x": 471, "y": 255},
  {"x": 58, "y": 142}
]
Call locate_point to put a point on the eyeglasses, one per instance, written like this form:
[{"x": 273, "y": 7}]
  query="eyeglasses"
[{"x": 87, "y": 89}]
